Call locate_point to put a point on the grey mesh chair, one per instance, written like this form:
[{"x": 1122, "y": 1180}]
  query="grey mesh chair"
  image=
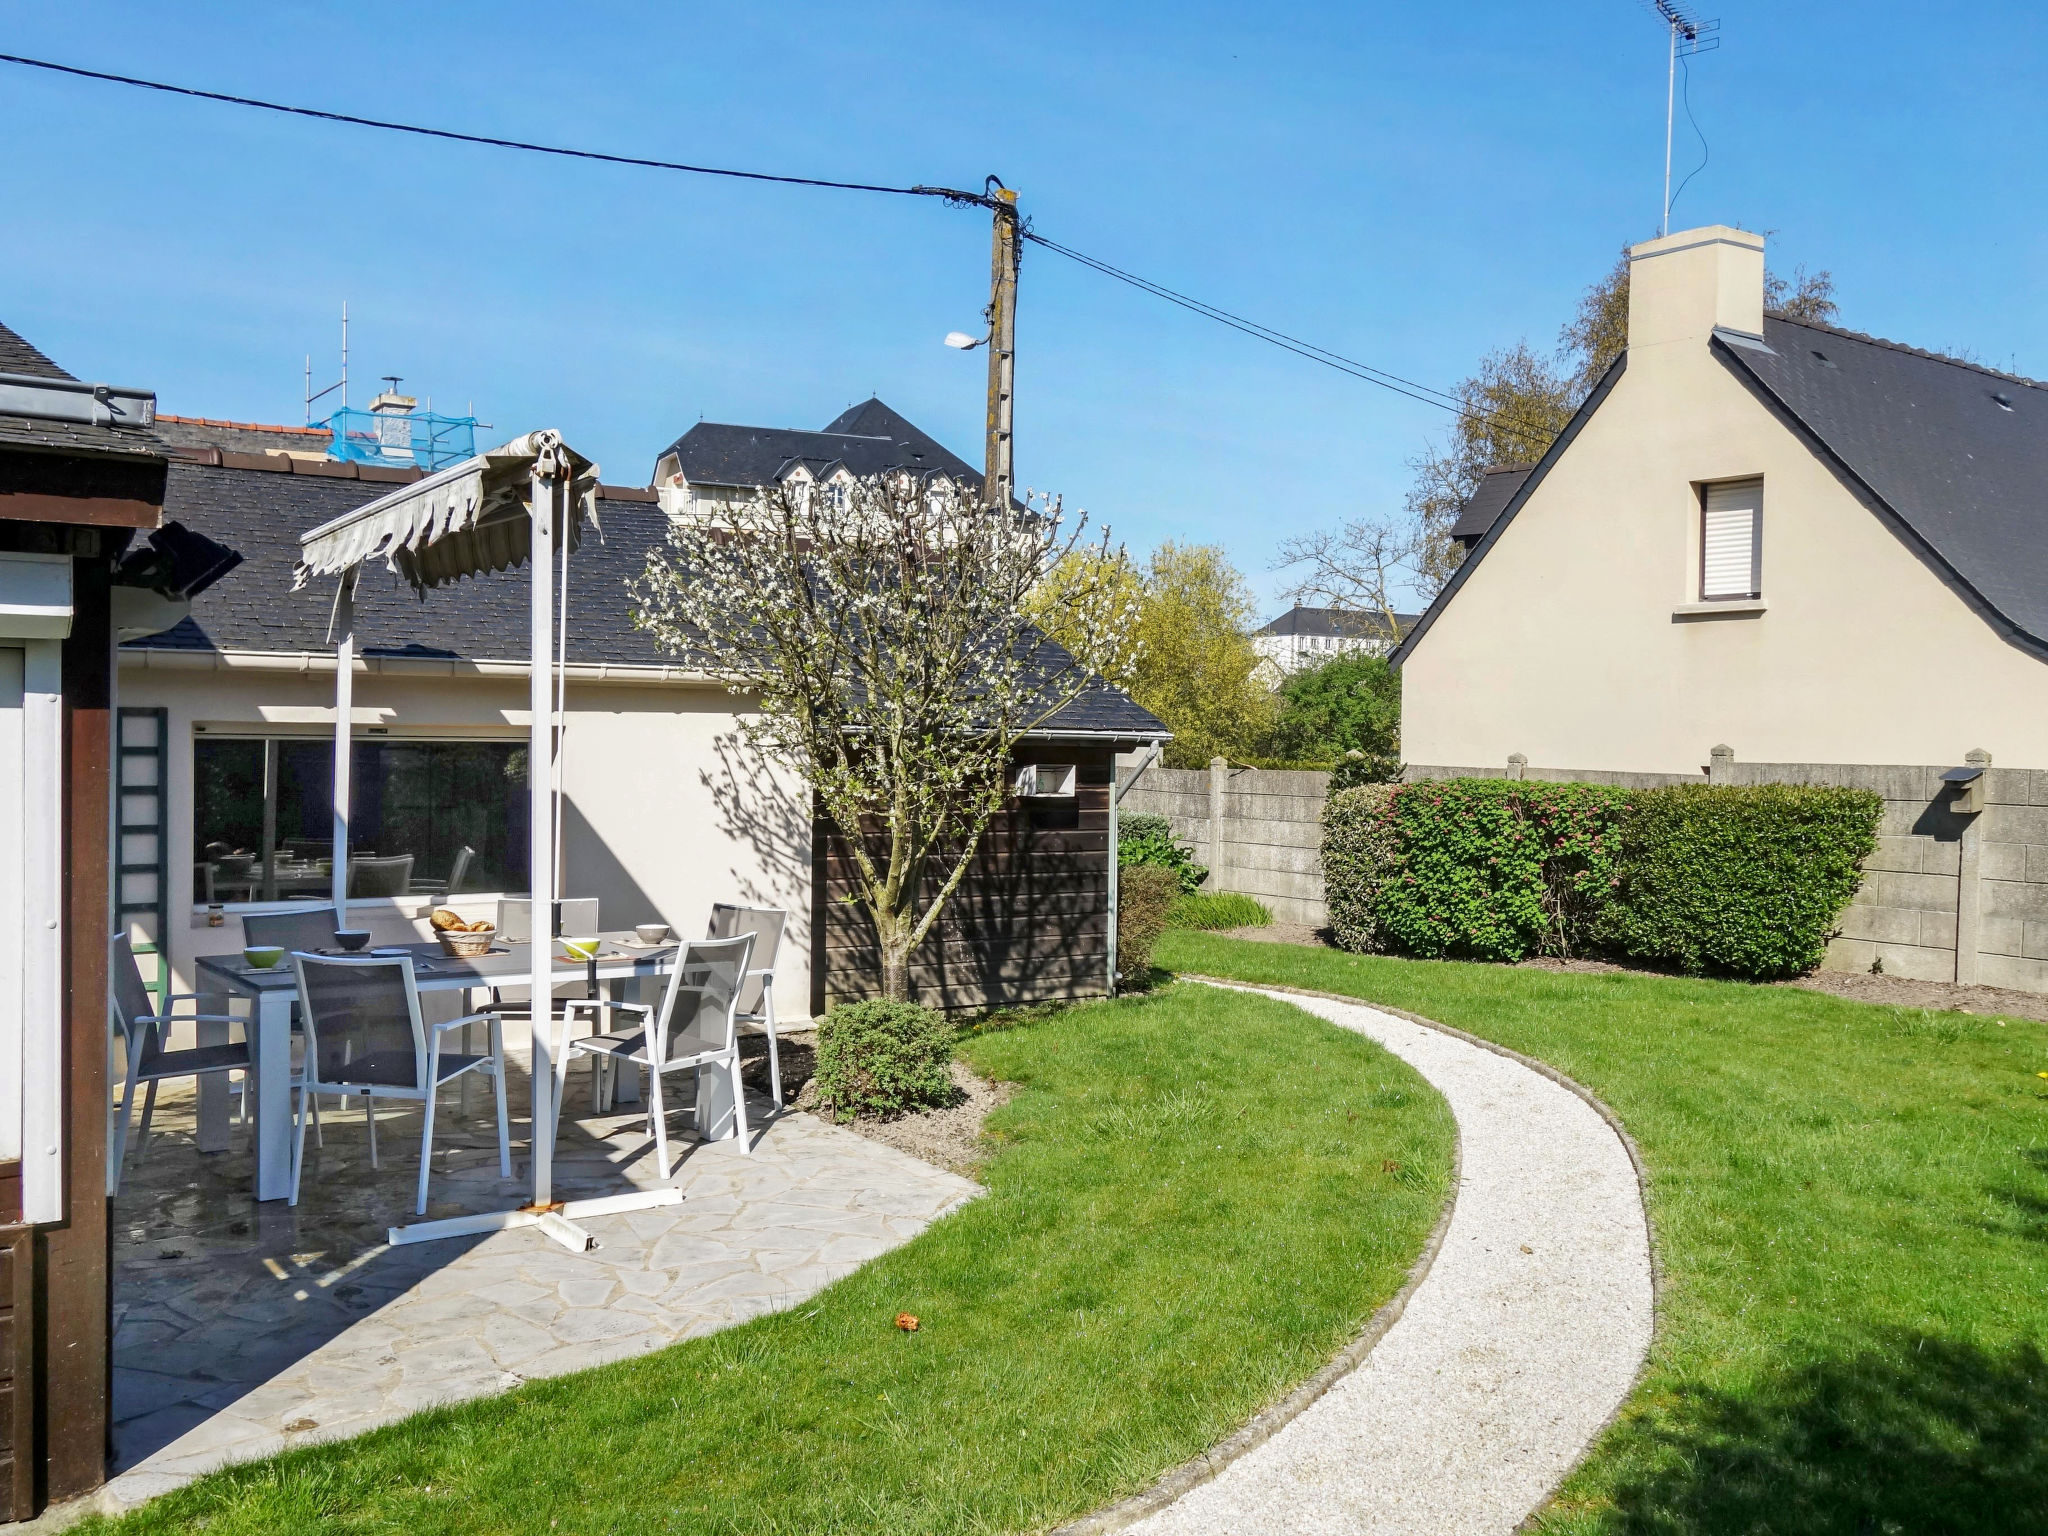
[
  {"x": 143, "y": 1031},
  {"x": 695, "y": 1025},
  {"x": 299, "y": 928},
  {"x": 365, "y": 1036},
  {"x": 757, "y": 997},
  {"x": 388, "y": 876}
]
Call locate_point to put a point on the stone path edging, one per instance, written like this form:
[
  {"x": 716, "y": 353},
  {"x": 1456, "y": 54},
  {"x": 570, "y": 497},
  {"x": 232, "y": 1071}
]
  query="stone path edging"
[{"x": 1198, "y": 1476}]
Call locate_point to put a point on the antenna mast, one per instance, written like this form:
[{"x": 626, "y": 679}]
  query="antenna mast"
[
  {"x": 313, "y": 394},
  {"x": 1689, "y": 35}
]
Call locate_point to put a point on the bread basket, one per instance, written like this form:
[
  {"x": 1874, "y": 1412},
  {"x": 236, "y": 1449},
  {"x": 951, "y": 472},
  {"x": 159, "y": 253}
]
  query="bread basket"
[{"x": 467, "y": 945}]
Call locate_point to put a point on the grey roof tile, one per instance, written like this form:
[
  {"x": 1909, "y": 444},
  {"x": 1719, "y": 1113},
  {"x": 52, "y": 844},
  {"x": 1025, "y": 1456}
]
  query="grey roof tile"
[
  {"x": 261, "y": 513},
  {"x": 1496, "y": 489},
  {"x": 1957, "y": 453}
]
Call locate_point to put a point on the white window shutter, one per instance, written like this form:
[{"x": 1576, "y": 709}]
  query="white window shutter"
[{"x": 1731, "y": 540}]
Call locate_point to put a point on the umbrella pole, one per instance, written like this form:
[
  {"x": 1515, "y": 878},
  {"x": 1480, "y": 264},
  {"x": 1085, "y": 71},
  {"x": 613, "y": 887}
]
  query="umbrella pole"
[
  {"x": 540, "y": 835},
  {"x": 344, "y": 711}
]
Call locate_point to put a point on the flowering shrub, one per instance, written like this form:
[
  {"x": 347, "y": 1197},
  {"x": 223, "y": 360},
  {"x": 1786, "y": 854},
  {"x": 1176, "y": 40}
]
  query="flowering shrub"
[{"x": 1497, "y": 869}]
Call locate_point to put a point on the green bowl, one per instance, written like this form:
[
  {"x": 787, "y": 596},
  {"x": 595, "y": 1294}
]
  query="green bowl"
[
  {"x": 263, "y": 957},
  {"x": 580, "y": 949}
]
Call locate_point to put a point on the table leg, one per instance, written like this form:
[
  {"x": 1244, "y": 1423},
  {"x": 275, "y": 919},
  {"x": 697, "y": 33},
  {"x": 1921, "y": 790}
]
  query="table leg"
[
  {"x": 713, "y": 1118},
  {"x": 213, "y": 1086},
  {"x": 270, "y": 1050}
]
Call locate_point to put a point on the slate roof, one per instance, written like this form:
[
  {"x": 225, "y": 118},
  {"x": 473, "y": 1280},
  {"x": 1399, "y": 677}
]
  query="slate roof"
[
  {"x": 1953, "y": 454},
  {"x": 18, "y": 355},
  {"x": 1336, "y": 622},
  {"x": 262, "y": 512},
  {"x": 1483, "y": 508},
  {"x": 867, "y": 439}
]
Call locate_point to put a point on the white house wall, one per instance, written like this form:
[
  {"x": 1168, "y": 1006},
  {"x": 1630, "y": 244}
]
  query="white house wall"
[
  {"x": 667, "y": 810},
  {"x": 1564, "y": 644}
]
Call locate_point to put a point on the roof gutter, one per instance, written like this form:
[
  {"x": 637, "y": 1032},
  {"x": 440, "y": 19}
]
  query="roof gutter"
[
  {"x": 316, "y": 663},
  {"x": 94, "y": 405}
]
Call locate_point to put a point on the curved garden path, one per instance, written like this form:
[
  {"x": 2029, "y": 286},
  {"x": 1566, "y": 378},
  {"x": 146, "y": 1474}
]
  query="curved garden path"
[{"x": 1514, "y": 1350}]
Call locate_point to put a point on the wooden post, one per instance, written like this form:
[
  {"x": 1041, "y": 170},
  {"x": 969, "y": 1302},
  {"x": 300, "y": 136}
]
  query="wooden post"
[
  {"x": 75, "y": 1296},
  {"x": 999, "y": 476}
]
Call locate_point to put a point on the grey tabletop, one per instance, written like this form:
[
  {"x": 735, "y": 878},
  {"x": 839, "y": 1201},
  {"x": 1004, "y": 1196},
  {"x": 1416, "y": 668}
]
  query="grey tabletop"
[{"x": 507, "y": 964}]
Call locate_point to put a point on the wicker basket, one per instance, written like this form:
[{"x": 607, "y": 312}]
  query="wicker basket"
[{"x": 467, "y": 946}]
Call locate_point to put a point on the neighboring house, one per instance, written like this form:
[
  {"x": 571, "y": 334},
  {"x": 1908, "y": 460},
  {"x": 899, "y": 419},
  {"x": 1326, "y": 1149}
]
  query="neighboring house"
[
  {"x": 713, "y": 463},
  {"x": 1806, "y": 544},
  {"x": 1496, "y": 488},
  {"x": 667, "y": 807},
  {"x": 1308, "y": 637},
  {"x": 243, "y": 436},
  {"x": 84, "y": 554}
]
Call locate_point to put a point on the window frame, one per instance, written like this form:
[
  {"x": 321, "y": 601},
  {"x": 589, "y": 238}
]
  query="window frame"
[{"x": 1702, "y": 491}]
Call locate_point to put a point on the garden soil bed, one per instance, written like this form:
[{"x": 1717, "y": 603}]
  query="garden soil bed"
[{"x": 950, "y": 1137}]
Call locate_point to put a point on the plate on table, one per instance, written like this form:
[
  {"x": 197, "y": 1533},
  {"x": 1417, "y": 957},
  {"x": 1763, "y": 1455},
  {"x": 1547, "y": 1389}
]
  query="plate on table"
[{"x": 636, "y": 944}]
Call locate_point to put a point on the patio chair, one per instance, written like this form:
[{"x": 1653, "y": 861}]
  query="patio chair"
[
  {"x": 300, "y": 928},
  {"x": 391, "y": 876},
  {"x": 144, "y": 1032},
  {"x": 696, "y": 1025},
  {"x": 365, "y": 1037},
  {"x": 456, "y": 871},
  {"x": 757, "y": 997}
]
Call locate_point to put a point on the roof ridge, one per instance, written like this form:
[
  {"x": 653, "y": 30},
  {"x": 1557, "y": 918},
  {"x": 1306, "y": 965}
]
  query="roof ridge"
[
  {"x": 740, "y": 426},
  {"x": 242, "y": 426},
  {"x": 1908, "y": 349}
]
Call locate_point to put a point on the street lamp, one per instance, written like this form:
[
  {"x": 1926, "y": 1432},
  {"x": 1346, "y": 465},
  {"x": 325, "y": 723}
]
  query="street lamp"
[{"x": 962, "y": 341}]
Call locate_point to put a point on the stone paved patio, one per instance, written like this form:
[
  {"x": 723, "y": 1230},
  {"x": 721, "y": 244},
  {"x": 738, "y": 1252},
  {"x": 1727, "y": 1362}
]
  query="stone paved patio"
[{"x": 242, "y": 1328}]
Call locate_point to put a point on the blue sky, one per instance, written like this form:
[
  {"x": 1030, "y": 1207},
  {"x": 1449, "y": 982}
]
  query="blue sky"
[{"x": 1410, "y": 185}]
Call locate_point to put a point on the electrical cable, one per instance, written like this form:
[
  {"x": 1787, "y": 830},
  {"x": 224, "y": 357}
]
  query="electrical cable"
[
  {"x": 1409, "y": 388},
  {"x": 1706, "y": 150}
]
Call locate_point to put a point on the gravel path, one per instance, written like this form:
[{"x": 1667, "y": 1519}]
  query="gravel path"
[{"x": 1525, "y": 1336}]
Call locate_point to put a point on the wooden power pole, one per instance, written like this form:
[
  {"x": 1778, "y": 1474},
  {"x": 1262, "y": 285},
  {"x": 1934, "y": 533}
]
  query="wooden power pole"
[{"x": 999, "y": 473}]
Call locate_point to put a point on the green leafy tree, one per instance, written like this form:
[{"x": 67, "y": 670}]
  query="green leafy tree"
[
  {"x": 1348, "y": 704},
  {"x": 1195, "y": 656}
]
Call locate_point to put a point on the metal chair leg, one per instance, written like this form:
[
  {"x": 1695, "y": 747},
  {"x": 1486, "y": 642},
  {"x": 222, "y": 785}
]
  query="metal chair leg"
[
  {"x": 370, "y": 1119},
  {"x": 498, "y": 1080},
  {"x": 148, "y": 1109}
]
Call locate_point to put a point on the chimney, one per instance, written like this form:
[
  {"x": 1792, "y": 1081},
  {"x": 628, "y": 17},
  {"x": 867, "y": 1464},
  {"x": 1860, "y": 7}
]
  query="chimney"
[{"x": 1685, "y": 286}]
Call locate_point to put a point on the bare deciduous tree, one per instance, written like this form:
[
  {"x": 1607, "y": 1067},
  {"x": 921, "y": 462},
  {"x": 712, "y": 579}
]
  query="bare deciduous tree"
[{"x": 880, "y": 624}]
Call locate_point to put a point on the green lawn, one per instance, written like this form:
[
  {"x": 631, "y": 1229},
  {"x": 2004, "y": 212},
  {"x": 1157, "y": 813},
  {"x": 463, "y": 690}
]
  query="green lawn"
[
  {"x": 1851, "y": 1207},
  {"x": 1197, "y": 1198}
]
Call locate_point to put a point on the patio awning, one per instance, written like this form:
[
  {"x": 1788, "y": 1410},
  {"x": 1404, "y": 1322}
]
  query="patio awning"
[{"x": 467, "y": 520}]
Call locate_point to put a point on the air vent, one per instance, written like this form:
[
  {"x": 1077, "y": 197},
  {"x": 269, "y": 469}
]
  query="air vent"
[
  {"x": 1825, "y": 359},
  {"x": 2004, "y": 402}
]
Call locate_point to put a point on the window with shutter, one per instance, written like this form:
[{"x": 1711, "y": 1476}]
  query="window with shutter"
[{"x": 1731, "y": 540}]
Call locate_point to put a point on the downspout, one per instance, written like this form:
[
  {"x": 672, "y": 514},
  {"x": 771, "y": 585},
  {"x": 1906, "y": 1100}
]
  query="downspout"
[{"x": 1116, "y": 795}]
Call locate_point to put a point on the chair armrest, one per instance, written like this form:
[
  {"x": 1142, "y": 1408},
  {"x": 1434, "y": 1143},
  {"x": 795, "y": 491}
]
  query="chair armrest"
[
  {"x": 189, "y": 1018},
  {"x": 571, "y": 1004},
  {"x": 467, "y": 1018}
]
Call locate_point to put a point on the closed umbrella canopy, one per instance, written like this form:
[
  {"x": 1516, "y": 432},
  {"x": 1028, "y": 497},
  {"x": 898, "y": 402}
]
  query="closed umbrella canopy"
[{"x": 467, "y": 520}]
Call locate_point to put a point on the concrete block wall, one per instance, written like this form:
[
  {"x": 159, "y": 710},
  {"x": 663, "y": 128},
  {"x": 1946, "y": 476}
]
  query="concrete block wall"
[
  {"x": 1259, "y": 830},
  {"x": 1947, "y": 896}
]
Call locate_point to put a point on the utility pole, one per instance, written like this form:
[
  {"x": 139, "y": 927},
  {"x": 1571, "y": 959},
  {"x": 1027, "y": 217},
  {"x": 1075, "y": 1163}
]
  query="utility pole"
[{"x": 999, "y": 473}]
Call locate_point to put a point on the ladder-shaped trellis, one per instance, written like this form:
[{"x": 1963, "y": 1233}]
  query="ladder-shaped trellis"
[{"x": 142, "y": 865}]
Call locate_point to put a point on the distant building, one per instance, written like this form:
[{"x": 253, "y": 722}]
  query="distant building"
[{"x": 1308, "y": 637}]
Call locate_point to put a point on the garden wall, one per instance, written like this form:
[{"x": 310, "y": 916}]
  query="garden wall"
[
  {"x": 1937, "y": 874},
  {"x": 1259, "y": 830}
]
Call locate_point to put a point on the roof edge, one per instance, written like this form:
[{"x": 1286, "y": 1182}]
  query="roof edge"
[{"x": 1551, "y": 455}]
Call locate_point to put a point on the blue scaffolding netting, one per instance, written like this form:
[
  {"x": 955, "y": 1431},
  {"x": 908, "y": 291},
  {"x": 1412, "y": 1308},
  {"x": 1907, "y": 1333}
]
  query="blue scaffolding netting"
[{"x": 401, "y": 440}]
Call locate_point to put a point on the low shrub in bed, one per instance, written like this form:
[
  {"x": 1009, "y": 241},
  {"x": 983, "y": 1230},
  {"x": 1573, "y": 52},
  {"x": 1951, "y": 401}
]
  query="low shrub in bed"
[{"x": 884, "y": 1058}]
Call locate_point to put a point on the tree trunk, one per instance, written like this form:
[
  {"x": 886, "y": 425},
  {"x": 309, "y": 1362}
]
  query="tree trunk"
[{"x": 892, "y": 933}]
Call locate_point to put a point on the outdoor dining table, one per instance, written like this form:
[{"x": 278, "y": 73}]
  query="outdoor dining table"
[{"x": 272, "y": 991}]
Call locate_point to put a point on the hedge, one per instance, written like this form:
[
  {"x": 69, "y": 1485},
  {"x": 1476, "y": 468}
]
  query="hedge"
[
  {"x": 1733, "y": 881},
  {"x": 1145, "y": 840},
  {"x": 1740, "y": 881},
  {"x": 1144, "y": 895}
]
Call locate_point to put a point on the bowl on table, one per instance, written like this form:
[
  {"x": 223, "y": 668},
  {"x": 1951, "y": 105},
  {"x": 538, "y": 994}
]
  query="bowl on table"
[
  {"x": 466, "y": 944},
  {"x": 263, "y": 957},
  {"x": 580, "y": 949},
  {"x": 651, "y": 933},
  {"x": 351, "y": 939}
]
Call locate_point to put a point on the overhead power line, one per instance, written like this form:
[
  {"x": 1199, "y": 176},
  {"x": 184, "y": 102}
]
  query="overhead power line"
[{"x": 1423, "y": 393}]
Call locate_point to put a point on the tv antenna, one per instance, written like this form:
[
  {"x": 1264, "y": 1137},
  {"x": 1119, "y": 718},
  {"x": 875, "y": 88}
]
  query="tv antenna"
[{"x": 1689, "y": 35}]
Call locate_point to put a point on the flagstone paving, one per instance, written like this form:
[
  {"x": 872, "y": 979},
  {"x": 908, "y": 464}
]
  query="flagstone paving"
[{"x": 243, "y": 1328}]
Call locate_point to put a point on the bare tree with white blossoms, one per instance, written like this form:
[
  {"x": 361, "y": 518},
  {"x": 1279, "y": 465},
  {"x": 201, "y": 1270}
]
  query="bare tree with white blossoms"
[{"x": 880, "y": 625}]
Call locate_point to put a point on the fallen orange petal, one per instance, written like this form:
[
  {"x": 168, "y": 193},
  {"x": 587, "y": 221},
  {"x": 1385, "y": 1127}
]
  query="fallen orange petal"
[{"x": 907, "y": 1321}]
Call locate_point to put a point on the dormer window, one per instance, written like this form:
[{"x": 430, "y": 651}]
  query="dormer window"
[{"x": 1731, "y": 540}]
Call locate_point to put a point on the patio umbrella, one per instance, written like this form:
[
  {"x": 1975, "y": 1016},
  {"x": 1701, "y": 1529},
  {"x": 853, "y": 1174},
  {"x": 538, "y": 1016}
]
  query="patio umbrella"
[{"x": 510, "y": 506}]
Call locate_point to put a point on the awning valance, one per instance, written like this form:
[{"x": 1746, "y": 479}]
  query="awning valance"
[{"x": 467, "y": 520}]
